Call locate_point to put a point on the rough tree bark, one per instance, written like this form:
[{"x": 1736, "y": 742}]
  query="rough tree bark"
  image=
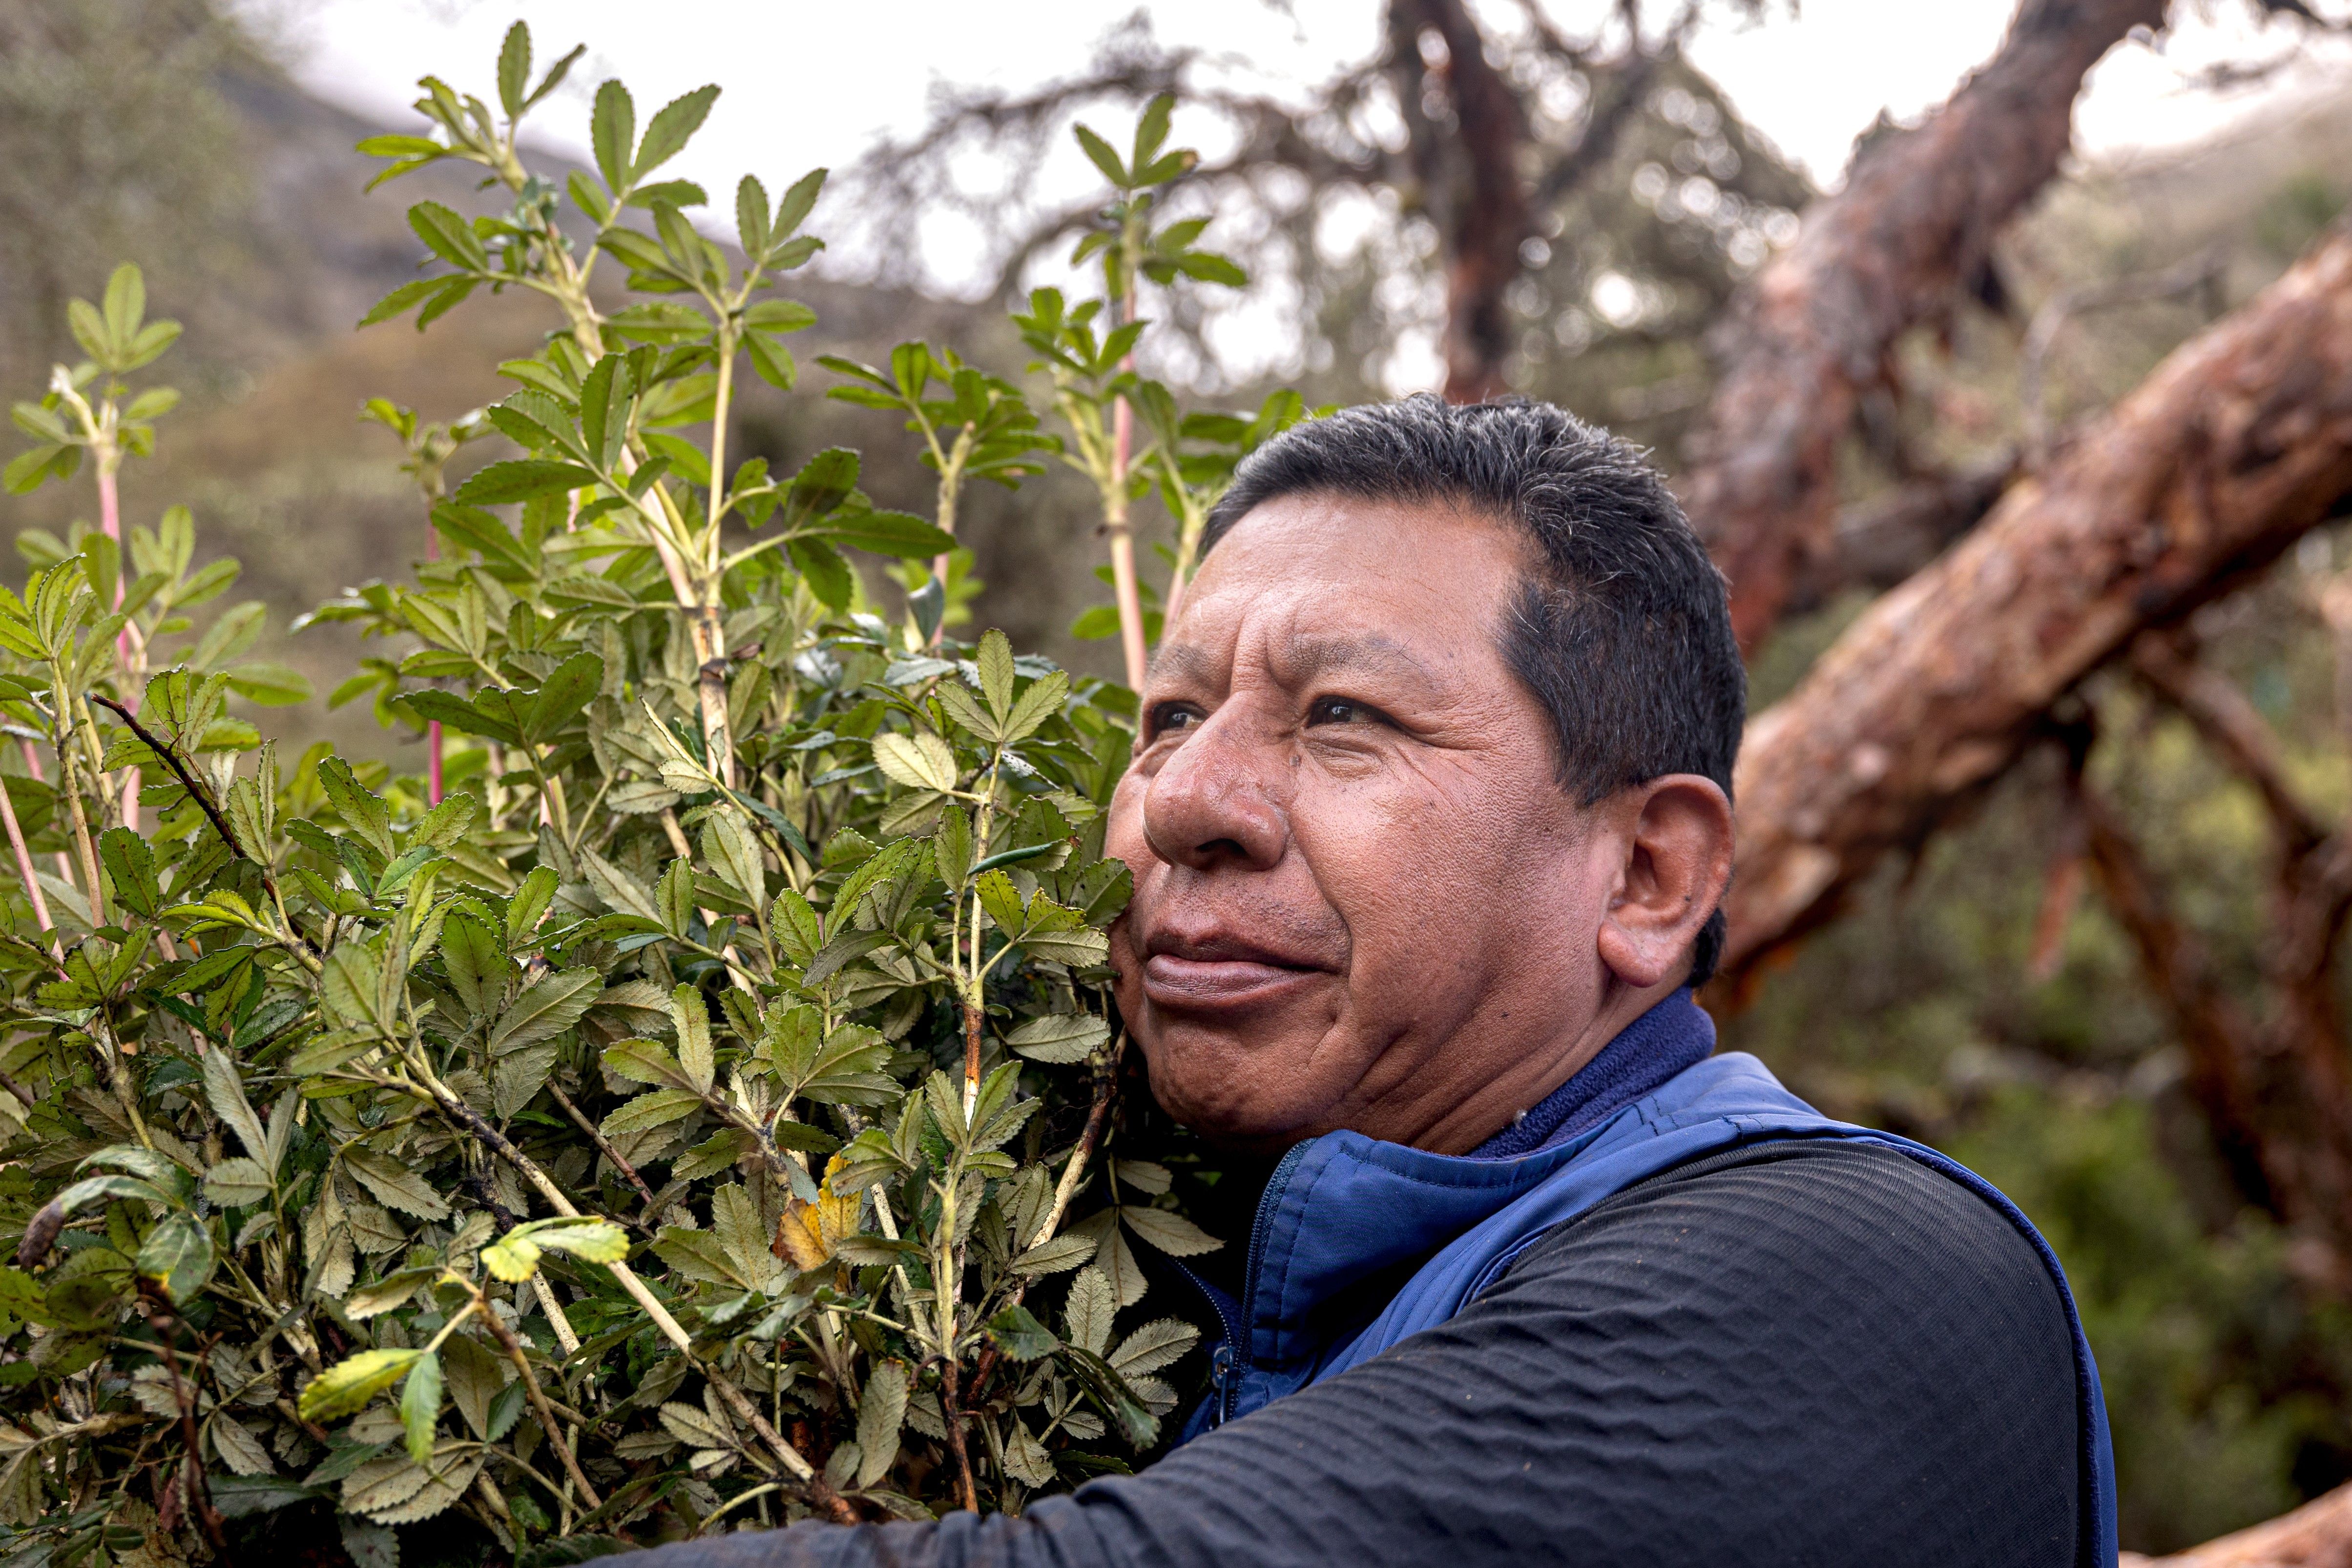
[
  {"x": 2238, "y": 443},
  {"x": 1479, "y": 176},
  {"x": 1490, "y": 217},
  {"x": 1812, "y": 331}
]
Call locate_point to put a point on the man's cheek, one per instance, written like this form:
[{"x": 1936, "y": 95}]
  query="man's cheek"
[
  {"x": 1123, "y": 836},
  {"x": 1127, "y": 968}
]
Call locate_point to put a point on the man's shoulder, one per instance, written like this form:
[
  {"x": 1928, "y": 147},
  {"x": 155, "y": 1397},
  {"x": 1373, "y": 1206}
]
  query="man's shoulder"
[
  {"x": 1872, "y": 1327},
  {"x": 1811, "y": 1214}
]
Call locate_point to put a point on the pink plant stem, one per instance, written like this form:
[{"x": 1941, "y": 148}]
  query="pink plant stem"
[
  {"x": 110, "y": 518},
  {"x": 1132, "y": 642},
  {"x": 33, "y": 766},
  {"x": 25, "y": 868}
]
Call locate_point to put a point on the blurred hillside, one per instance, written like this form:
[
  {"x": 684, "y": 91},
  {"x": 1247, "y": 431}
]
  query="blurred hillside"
[
  {"x": 1952, "y": 1005},
  {"x": 190, "y": 151}
]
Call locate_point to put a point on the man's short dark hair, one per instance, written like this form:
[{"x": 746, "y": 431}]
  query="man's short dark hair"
[{"x": 1624, "y": 634}]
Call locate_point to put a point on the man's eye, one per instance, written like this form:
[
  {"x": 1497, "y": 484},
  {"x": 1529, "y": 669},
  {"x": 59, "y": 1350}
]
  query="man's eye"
[
  {"x": 1337, "y": 710},
  {"x": 1173, "y": 719}
]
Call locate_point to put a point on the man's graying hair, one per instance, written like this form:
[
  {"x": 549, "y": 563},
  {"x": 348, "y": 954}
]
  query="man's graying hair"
[{"x": 1624, "y": 634}]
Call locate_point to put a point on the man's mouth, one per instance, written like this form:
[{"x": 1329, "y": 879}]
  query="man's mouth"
[{"x": 1219, "y": 973}]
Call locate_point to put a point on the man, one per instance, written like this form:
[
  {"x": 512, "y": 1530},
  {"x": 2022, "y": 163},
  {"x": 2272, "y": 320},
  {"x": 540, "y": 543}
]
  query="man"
[{"x": 1429, "y": 818}]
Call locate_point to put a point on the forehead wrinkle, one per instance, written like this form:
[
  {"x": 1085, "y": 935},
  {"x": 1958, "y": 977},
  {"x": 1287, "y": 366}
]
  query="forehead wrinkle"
[{"x": 1302, "y": 655}]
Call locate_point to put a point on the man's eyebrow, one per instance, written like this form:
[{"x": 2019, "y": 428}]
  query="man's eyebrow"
[
  {"x": 1303, "y": 656},
  {"x": 1307, "y": 655},
  {"x": 1184, "y": 661}
]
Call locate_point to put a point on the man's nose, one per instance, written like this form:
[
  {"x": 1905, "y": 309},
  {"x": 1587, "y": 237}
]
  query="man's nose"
[{"x": 1214, "y": 802}]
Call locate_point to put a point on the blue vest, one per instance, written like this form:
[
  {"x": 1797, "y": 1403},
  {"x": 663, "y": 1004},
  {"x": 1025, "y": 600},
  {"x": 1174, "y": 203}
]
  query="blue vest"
[{"x": 1343, "y": 1207}]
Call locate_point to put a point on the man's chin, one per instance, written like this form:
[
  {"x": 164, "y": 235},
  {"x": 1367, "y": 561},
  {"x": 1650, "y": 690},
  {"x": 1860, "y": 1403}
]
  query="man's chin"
[{"x": 1229, "y": 1093}]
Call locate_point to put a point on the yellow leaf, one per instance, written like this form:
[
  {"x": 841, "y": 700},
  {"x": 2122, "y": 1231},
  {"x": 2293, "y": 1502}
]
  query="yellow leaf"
[
  {"x": 514, "y": 1260},
  {"x": 836, "y": 1212},
  {"x": 808, "y": 1232},
  {"x": 800, "y": 1238}
]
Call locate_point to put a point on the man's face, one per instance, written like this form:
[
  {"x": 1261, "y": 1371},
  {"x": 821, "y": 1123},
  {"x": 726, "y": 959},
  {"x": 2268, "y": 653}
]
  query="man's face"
[{"x": 1362, "y": 897}]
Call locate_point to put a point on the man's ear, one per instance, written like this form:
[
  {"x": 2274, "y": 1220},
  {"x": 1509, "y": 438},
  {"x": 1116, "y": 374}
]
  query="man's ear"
[{"x": 1677, "y": 863}]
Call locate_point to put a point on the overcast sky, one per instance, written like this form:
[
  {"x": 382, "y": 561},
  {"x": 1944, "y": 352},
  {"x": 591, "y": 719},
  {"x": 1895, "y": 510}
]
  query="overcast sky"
[
  {"x": 811, "y": 82},
  {"x": 807, "y": 84}
]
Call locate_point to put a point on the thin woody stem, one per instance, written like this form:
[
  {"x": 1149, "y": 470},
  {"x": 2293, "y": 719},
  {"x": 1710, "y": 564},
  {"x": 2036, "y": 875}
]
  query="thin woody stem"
[
  {"x": 196, "y": 1496},
  {"x": 196, "y": 791},
  {"x": 620, "y": 1162},
  {"x": 1132, "y": 641},
  {"x": 951, "y": 1408},
  {"x": 971, "y": 1020},
  {"x": 564, "y": 1335},
  {"x": 538, "y": 1397},
  {"x": 299, "y": 944},
  {"x": 432, "y": 742},
  {"x": 81, "y": 838},
  {"x": 1097, "y": 1115},
  {"x": 1122, "y": 551}
]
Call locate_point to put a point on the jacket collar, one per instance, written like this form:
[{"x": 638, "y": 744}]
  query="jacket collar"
[{"x": 1342, "y": 1210}]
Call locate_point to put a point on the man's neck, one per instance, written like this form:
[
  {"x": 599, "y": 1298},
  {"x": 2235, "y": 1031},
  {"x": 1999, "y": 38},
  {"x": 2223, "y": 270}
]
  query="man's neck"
[
  {"x": 1671, "y": 1038},
  {"x": 1493, "y": 1106}
]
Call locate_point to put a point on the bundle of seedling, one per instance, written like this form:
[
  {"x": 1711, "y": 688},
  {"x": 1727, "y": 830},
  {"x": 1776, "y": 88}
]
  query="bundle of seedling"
[{"x": 691, "y": 1099}]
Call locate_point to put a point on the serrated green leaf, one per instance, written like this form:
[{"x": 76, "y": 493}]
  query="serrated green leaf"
[
  {"x": 420, "y": 1406},
  {"x": 179, "y": 1252},
  {"x": 349, "y": 1385},
  {"x": 613, "y": 132},
  {"x": 881, "y": 1410},
  {"x": 1040, "y": 703},
  {"x": 995, "y": 660},
  {"x": 552, "y": 1004},
  {"x": 238, "y": 1183},
  {"x": 919, "y": 760},
  {"x": 658, "y": 1109},
  {"x": 395, "y": 1185},
  {"x": 692, "y": 1017},
  {"x": 672, "y": 126},
  {"x": 521, "y": 479},
  {"x": 1018, "y": 1334},
  {"x": 1167, "y": 1231},
  {"x": 1060, "y": 1038}
]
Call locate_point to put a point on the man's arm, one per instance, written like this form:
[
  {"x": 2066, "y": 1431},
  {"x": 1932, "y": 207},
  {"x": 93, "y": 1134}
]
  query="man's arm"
[{"x": 1794, "y": 1353}]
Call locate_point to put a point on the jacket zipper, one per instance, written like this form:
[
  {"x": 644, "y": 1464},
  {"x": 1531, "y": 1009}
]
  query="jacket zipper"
[{"x": 1228, "y": 1373}]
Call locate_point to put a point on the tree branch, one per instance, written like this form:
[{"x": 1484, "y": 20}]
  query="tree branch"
[
  {"x": 1598, "y": 143},
  {"x": 197, "y": 792},
  {"x": 2235, "y": 446},
  {"x": 2219, "y": 1040},
  {"x": 2236, "y": 732},
  {"x": 2200, "y": 273},
  {"x": 1882, "y": 541},
  {"x": 1917, "y": 218},
  {"x": 819, "y": 1491},
  {"x": 1490, "y": 217}
]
